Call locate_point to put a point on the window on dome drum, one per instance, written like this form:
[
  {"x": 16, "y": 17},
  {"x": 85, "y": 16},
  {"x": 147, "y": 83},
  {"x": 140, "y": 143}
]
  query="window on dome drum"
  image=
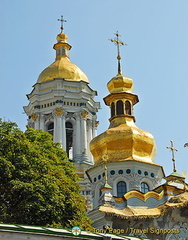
[
  {"x": 144, "y": 187},
  {"x": 112, "y": 109},
  {"x": 128, "y": 108},
  {"x": 121, "y": 188},
  {"x": 119, "y": 107},
  {"x": 50, "y": 128},
  {"x": 69, "y": 140}
]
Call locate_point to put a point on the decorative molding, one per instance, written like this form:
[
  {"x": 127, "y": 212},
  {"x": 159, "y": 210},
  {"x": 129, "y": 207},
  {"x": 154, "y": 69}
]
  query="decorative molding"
[
  {"x": 85, "y": 114},
  {"x": 34, "y": 117},
  {"x": 58, "y": 111},
  {"x": 96, "y": 123},
  {"x": 144, "y": 196}
]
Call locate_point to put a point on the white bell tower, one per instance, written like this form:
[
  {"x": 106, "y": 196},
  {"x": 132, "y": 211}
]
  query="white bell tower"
[{"x": 62, "y": 103}]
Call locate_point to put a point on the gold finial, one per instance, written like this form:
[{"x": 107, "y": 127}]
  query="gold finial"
[
  {"x": 62, "y": 21},
  {"x": 117, "y": 42},
  {"x": 173, "y": 157}
]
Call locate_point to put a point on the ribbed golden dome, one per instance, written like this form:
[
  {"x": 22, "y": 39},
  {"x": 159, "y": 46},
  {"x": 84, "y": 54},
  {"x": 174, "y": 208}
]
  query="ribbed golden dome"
[
  {"x": 62, "y": 68},
  {"x": 120, "y": 83},
  {"x": 124, "y": 141}
]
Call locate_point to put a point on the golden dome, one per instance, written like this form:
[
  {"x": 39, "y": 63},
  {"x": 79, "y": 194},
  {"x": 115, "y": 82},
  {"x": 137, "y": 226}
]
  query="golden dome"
[
  {"x": 120, "y": 83},
  {"x": 62, "y": 37},
  {"x": 62, "y": 67},
  {"x": 123, "y": 141}
]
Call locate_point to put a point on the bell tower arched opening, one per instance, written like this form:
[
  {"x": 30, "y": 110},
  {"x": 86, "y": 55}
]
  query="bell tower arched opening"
[
  {"x": 112, "y": 109},
  {"x": 50, "y": 128},
  {"x": 69, "y": 139},
  {"x": 127, "y": 108},
  {"x": 119, "y": 107}
]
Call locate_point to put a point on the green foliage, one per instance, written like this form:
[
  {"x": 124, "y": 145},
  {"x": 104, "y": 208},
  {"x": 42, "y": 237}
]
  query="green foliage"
[{"x": 38, "y": 185}]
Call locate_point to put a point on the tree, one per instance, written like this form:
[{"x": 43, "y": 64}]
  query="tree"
[{"x": 38, "y": 185}]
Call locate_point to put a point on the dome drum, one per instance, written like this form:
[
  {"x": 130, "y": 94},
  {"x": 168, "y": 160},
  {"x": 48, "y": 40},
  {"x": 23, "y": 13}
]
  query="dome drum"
[{"x": 121, "y": 96}]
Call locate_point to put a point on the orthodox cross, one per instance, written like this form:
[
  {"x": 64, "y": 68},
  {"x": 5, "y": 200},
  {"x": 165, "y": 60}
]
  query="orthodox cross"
[
  {"x": 62, "y": 21},
  {"x": 173, "y": 156},
  {"x": 118, "y": 43}
]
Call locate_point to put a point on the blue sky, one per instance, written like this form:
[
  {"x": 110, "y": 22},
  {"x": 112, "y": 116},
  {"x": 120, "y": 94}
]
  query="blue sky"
[{"x": 156, "y": 58}]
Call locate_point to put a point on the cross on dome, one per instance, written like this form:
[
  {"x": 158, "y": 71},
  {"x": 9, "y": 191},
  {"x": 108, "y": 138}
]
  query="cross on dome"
[
  {"x": 62, "y": 21},
  {"x": 173, "y": 155},
  {"x": 118, "y": 43}
]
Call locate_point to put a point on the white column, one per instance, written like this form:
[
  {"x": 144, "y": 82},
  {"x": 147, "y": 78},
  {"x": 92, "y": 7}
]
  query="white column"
[
  {"x": 63, "y": 133},
  {"x": 84, "y": 135},
  {"x": 42, "y": 122},
  {"x": 89, "y": 132},
  {"x": 94, "y": 129},
  {"x": 58, "y": 131},
  {"x": 89, "y": 138},
  {"x": 35, "y": 118},
  {"x": 78, "y": 137},
  {"x": 55, "y": 128}
]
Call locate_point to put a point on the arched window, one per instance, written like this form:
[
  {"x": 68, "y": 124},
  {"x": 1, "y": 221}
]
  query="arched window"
[
  {"x": 112, "y": 109},
  {"x": 69, "y": 139},
  {"x": 50, "y": 128},
  {"x": 144, "y": 187},
  {"x": 119, "y": 107},
  {"x": 121, "y": 188},
  {"x": 128, "y": 108}
]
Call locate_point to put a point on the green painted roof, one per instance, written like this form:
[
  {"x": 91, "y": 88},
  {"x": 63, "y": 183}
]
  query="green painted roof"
[{"x": 60, "y": 232}]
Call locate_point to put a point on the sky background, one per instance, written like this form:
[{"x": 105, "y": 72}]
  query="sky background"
[{"x": 156, "y": 58}]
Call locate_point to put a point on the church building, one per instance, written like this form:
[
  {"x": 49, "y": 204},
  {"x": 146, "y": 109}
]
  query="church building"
[
  {"x": 126, "y": 181},
  {"x": 117, "y": 168}
]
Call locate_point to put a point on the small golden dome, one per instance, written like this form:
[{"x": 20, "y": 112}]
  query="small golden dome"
[
  {"x": 62, "y": 68},
  {"x": 123, "y": 142},
  {"x": 62, "y": 37},
  {"x": 120, "y": 83}
]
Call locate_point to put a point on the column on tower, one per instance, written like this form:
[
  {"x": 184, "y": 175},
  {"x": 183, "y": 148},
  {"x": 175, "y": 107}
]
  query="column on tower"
[
  {"x": 58, "y": 125},
  {"x": 94, "y": 128},
  {"x": 78, "y": 137},
  {"x": 35, "y": 118},
  {"x": 84, "y": 115},
  {"x": 89, "y": 138},
  {"x": 63, "y": 132},
  {"x": 42, "y": 122}
]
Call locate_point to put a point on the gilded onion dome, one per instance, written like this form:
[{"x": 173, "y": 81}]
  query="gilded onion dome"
[
  {"x": 120, "y": 83},
  {"x": 123, "y": 140},
  {"x": 62, "y": 67}
]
